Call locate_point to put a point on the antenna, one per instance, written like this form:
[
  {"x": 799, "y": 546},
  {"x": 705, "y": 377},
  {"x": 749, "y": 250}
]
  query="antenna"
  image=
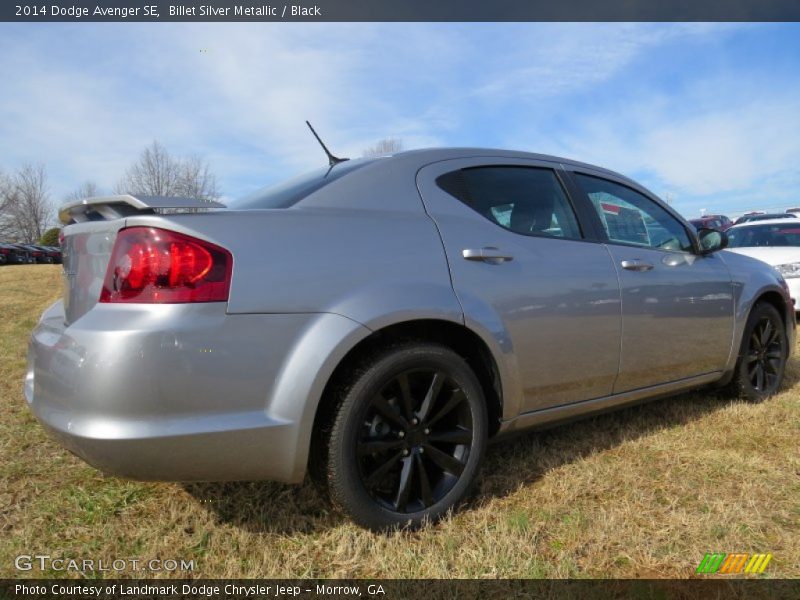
[{"x": 332, "y": 160}]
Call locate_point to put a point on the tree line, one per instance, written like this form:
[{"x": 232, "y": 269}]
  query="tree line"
[{"x": 27, "y": 209}]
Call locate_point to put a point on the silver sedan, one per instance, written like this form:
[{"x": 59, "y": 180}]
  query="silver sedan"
[{"x": 377, "y": 321}]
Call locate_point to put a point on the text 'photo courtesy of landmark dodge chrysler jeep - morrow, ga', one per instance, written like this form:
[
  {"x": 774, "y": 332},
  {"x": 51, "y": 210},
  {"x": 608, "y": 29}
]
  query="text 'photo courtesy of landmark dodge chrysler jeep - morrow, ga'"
[{"x": 376, "y": 322}]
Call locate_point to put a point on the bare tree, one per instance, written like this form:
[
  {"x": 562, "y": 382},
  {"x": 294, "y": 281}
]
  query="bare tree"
[
  {"x": 26, "y": 208},
  {"x": 196, "y": 180},
  {"x": 7, "y": 203},
  {"x": 384, "y": 147},
  {"x": 87, "y": 189},
  {"x": 157, "y": 173}
]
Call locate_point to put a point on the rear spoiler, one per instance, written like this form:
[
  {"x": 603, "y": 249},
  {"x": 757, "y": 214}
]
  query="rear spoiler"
[{"x": 126, "y": 205}]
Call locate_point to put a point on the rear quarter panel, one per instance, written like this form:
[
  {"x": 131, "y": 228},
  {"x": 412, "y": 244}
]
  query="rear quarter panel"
[{"x": 376, "y": 267}]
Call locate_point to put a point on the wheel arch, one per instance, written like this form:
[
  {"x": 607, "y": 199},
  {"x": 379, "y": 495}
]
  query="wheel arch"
[
  {"x": 462, "y": 340},
  {"x": 777, "y": 298}
]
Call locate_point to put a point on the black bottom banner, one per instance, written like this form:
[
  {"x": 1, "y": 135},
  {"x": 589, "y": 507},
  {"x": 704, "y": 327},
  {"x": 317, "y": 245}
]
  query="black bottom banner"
[{"x": 132, "y": 589}]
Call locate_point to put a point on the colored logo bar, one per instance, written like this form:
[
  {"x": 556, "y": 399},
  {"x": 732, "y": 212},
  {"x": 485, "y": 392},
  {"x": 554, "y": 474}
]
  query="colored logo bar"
[{"x": 719, "y": 562}]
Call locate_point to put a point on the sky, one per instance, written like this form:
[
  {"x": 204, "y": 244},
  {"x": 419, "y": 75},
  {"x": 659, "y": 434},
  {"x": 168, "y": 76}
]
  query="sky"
[{"x": 706, "y": 115}]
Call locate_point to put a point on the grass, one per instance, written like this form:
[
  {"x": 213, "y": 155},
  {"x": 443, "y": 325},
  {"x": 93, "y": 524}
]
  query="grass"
[{"x": 644, "y": 492}]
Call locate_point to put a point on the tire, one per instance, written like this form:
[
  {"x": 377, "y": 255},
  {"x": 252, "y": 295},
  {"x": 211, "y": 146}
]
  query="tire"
[
  {"x": 408, "y": 438},
  {"x": 762, "y": 356}
]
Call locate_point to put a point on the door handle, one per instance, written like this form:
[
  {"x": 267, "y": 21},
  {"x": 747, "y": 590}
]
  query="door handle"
[
  {"x": 636, "y": 265},
  {"x": 488, "y": 254}
]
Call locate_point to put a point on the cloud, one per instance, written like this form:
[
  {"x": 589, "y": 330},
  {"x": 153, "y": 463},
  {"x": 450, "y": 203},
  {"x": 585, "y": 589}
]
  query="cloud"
[
  {"x": 652, "y": 100},
  {"x": 87, "y": 100},
  {"x": 720, "y": 143},
  {"x": 562, "y": 59}
]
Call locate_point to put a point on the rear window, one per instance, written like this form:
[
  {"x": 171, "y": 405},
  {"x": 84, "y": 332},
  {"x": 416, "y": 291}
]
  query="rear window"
[{"x": 291, "y": 192}]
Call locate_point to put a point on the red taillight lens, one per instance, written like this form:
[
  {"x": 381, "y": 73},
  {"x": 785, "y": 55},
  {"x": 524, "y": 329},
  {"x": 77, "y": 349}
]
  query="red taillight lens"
[
  {"x": 156, "y": 266},
  {"x": 4, "y": 251}
]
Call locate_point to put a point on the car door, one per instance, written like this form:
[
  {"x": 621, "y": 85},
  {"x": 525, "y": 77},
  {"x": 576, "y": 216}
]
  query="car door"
[
  {"x": 524, "y": 271},
  {"x": 677, "y": 304}
]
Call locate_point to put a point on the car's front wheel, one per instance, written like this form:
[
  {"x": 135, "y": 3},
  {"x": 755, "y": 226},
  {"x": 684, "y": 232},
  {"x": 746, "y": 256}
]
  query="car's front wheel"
[
  {"x": 408, "y": 437},
  {"x": 763, "y": 354}
]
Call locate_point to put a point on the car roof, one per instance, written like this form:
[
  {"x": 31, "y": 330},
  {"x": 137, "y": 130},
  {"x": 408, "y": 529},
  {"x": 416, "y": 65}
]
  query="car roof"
[
  {"x": 783, "y": 221},
  {"x": 428, "y": 155}
]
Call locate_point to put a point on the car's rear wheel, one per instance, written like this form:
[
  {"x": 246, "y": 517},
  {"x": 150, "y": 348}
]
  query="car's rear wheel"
[
  {"x": 763, "y": 354},
  {"x": 408, "y": 437}
]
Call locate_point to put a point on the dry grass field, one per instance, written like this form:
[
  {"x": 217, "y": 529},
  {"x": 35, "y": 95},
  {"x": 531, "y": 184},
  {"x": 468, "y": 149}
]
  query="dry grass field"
[{"x": 644, "y": 492}]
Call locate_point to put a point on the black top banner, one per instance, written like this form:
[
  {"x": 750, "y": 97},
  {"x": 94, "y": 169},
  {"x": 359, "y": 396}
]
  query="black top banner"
[{"x": 401, "y": 10}]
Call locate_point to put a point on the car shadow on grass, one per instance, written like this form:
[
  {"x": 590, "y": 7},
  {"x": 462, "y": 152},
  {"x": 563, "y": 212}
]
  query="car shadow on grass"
[
  {"x": 526, "y": 458},
  {"x": 269, "y": 507},
  {"x": 266, "y": 506}
]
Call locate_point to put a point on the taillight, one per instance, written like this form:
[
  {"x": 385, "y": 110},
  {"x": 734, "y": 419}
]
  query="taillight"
[
  {"x": 4, "y": 251},
  {"x": 156, "y": 266}
]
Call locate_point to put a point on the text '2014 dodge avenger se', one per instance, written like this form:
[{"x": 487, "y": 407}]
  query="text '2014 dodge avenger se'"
[{"x": 376, "y": 322}]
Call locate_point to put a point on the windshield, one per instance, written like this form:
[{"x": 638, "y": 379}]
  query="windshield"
[
  {"x": 290, "y": 192},
  {"x": 764, "y": 235}
]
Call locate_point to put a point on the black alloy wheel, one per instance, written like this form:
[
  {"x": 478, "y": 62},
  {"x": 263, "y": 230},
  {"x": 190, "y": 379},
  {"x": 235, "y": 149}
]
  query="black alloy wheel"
[
  {"x": 415, "y": 440},
  {"x": 763, "y": 356},
  {"x": 408, "y": 438}
]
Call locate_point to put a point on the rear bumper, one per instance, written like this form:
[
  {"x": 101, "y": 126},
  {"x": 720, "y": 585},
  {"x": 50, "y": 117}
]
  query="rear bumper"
[{"x": 184, "y": 392}]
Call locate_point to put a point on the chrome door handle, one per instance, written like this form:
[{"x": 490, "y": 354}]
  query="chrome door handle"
[
  {"x": 488, "y": 254},
  {"x": 636, "y": 265}
]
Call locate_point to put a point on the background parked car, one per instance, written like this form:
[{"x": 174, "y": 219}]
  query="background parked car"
[
  {"x": 20, "y": 254},
  {"x": 718, "y": 222},
  {"x": 54, "y": 253},
  {"x": 776, "y": 242},
  {"x": 47, "y": 254},
  {"x": 764, "y": 217},
  {"x": 38, "y": 254},
  {"x": 13, "y": 255}
]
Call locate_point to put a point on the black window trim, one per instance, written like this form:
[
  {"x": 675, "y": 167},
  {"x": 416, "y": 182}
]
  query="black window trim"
[{"x": 570, "y": 172}]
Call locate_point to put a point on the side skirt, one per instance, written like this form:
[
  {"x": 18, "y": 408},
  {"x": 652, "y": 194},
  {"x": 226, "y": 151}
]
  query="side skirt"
[{"x": 577, "y": 410}]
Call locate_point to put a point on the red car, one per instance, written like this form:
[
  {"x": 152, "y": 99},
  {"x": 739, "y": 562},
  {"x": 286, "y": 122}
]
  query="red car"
[{"x": 718, "y": 222}]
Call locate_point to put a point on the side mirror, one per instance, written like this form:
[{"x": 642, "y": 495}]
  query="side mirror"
[{"x": 711, "y": 240}]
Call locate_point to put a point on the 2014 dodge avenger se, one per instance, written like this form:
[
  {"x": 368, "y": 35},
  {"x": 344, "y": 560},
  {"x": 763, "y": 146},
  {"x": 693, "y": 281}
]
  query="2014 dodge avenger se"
[{"x": 376, "y": 322}]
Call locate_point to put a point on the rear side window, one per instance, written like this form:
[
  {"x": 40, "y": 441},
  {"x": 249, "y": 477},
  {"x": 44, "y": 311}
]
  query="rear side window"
[
  {"x": 289, "y": 193},
  {"x": 525, "y": 200}
]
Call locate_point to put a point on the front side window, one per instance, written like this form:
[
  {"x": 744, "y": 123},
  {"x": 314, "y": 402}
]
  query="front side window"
[
  {"x": 525, "y": 200},
  {"x": 632, "y": 218}
]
